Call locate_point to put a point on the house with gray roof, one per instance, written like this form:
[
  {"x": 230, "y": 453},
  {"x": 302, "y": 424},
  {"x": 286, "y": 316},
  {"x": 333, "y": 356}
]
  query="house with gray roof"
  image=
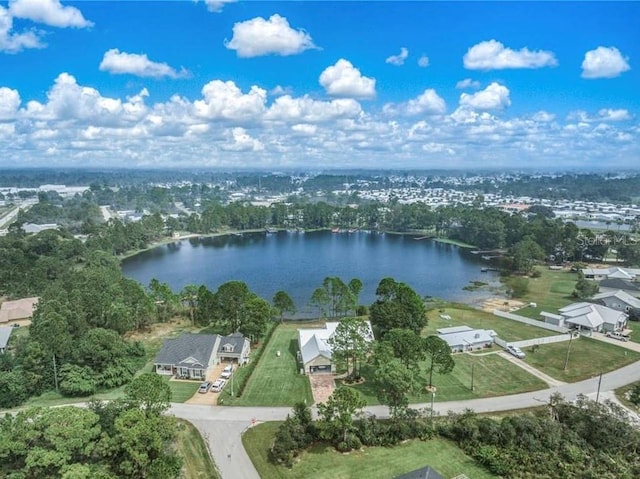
[
  {"x": 426, "y": 472},
  {"x": 615, "y": 272},
  {"x": 465, "y": 338},
  {"x": 190, "y": 356},
  {"x": 5, "y": 333},
  {"x": 315, "y": 352},
  {"x": 615, "y": 284},
  {"x": 619, "y": 300},
  {"x": 588, "y": 317}
]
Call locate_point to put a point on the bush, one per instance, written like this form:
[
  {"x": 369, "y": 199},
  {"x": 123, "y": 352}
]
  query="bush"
[
  {"x": 352, "y": 442},
  {"x": 519, "y": 287},
  {"x": 13, "y": 391},
  {"x": 362, "y": 310},
  {"x": 77, "y": 381}
]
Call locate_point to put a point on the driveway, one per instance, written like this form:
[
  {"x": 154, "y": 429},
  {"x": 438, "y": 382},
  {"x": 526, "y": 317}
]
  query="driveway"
[
  {"x": 322, "y": 386},
  {"x": 209, "y": 398},
  {"x": 623, "y": 344}
]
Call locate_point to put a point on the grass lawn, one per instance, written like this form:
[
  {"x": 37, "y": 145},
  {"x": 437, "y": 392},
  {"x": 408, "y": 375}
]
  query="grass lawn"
[
  {"x": 454, "y": 242},
  {"x": 506, "y": 329},
  {"x": 197, "y": 462},
  {"x": 492, "y": 376},
  {"x": 551, "y": 291},
  {"x": 621, "y": 394},
  {"x": 323, "y": 462},
  {"x": 276, "y": 380},
  {"x": 587, "y": 358}
]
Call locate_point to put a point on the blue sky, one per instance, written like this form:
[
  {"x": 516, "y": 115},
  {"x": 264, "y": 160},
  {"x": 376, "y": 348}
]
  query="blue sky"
[{"x": 319, "y": 84}]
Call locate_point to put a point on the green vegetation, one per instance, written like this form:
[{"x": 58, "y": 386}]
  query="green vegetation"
[
  {"x": 454, "y": 242},
  {"x": 196, "y": 460},
  {"x": 276, "y": 380},
  {"x": 550, "y": 291},
  {"x": 505, "y": 328},
  {"x": 321, "y": 461},
  {"x": 587, "y": 358},
  {"x": 492, "y": 376},
  {"x": 182, "y": 390}
]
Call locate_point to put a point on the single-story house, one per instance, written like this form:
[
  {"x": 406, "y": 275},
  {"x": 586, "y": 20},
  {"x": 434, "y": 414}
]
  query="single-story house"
[
  {"x": 18, "y": 309},
  {"x": 315, "y": 351},
  {"x": 190, "y": 356},
  {"x": 426, "y": 472},
  {"x": 465, "y": 338},
  {"x": 598, "y": 274},
  {"x": 588, "y": 317},
  {"x": 616, "y": 284},
  {"x": 5, "y": 333},
  {"x": 618, "y": 300},
  {"x": 32, "y": 228}
]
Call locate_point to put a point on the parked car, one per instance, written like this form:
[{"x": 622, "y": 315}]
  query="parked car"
[
  {"x": 204, "y": 387},
  {"x": 218, "y": 384},
  {"x": 617, "y": 335},
  {"x": 227, "y": 372},
  {"x": 516, "y": 351}
]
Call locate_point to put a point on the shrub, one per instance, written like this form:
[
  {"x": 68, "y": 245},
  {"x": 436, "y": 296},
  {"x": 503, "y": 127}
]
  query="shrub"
[
  {"x": 13, "y": 391},
  {"x": 77, "y": 381}
]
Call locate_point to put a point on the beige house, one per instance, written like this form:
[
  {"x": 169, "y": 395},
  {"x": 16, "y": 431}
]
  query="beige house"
[{"x": 17, "y": 310}]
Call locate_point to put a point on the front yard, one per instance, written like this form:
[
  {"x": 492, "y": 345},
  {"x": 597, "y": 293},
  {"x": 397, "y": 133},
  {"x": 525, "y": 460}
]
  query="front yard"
[
  {"x": 587, "y": 358},
  {"x": 492, "y": 376},
  {"x": 551, "y": 291},
  {"x": 276, "y": 380},
  {"x": 505, "y": 328},
  {"x": 323, "y": 462}
]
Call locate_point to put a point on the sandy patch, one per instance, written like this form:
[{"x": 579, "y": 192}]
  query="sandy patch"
[
  {"x": 322, "y": 386},
  {"x": 502, "y": 304},
  {"x": 158, "y": 330}
]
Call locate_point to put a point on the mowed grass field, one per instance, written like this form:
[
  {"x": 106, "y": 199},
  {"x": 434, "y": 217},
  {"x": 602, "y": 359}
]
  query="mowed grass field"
[
  {"x": 197, "y": 462},
  {"x": 323, "y": 462},
  {"x": 276, "y": 380},
  {"x": 587, "y": 358},
  {"x": 505, "y": 328},
  {"x": 551, "y": 291},
  {"x": 492, "y": 376}
]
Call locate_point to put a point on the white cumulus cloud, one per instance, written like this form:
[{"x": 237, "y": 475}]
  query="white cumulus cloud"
[
  {"x": 240, "y": 140},
  {"x": 9, "y": 103},
  {"x": 11, "y": 42},
  {"x": 216, "y": 6},
  {"x": 427, "y": 103},
  {"x": 399, "y": 59},
  {"x": 494, "y": 97},
  {"x": 467, "y": 83},
  {"x": 493, "y": 55},
  {"x": 609, "y": 114},
  {"x": 117, "y": 62},
  {"x": 259, "y": 37},
  {"x": 423, "y": 61},
  {"x": 345, "y": 80},
  {"x": 604, "y": 62},
  {"x": 306, "y": 109},
  {"x": 49, "y": 12},
  {"x": 225, "y": 101}
]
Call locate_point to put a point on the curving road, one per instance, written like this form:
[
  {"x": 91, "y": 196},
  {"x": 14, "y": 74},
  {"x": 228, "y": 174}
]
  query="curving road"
[{"x": 222, "y": 426}]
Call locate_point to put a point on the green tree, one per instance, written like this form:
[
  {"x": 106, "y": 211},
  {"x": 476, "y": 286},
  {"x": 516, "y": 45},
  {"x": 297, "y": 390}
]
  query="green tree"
[
  {"x": 351, "y": 343},
  {"x": 439, "y": 357},
  {"x": 189, "y": 297},
  {"x": 393, "y": 382},
  {"x": 397, "y": 306},
  {"x": 585, "y": 288},
  {"x": 150, "y": 393},
  {"x": 283, "y": 303},
  {"x": 13, "y": 389},
  {"x": 407, "y": 346},
  {"x": 525, "y": 253},
  {"x": 336, "y": 414}
]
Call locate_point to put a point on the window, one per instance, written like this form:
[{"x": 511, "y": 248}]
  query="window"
[{"x": 228, "y": 348}]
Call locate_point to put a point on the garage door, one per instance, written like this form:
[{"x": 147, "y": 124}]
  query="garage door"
[{"x": 320, "y": 369}]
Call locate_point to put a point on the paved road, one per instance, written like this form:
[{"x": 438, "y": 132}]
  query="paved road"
[{"x": 222, "y": 426}]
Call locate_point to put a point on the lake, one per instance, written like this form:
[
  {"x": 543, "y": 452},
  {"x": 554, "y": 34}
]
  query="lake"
[{"x": 298, "y": 262}]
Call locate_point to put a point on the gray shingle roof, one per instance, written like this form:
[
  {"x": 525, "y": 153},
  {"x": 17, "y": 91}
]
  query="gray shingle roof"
[
  {"x": 617, "y": 283},
  {"x": 181, "y": 349},
  {"x": 236, "y": 340},
  {"x": 5, "y": 332},
  {"x": 425, "y": 473}
]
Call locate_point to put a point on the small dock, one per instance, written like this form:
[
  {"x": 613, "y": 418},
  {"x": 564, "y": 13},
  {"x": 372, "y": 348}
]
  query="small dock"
[{"x": 420, "y": 238}]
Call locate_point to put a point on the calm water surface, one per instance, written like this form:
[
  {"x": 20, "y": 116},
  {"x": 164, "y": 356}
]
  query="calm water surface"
[{"x": 298, "y": 262}]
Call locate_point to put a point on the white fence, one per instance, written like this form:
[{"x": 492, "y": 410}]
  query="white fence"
[
  {"x": 531, "y": 342},
  {"x": 529, "y": 321}
]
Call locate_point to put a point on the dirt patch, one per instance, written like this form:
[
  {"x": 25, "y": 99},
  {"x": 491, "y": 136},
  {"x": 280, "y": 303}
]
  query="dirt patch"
[
  {"x": 322, "y": 386},
  {"x": 158, "y": 330},
  {"x": 502, "y": 304}
]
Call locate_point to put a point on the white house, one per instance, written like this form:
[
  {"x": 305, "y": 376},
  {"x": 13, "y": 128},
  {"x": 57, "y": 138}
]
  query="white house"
[
  {"x": 315, "y": 352},
  {"x": 587, "y": 317},
  {"x": 465, "y": 338},
  {"x": 598, "y": 274}
]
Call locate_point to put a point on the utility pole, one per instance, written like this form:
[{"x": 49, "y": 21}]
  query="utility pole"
[
  {"x": 232, "y": 374},
  {"x": 472, "y": 364},
  {"x": 599, "y": 384},
  {"x": 55, "y": 372},
  {"x": 566, "y": 360}
]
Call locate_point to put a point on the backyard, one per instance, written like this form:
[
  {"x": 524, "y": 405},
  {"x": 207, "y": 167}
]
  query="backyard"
[
  {"x": 550, "y": 292},
  {"x": 505, "y": 328},
  {"x": 492, "y": 376},
  {"x": 276, "y": 380},
  {"x": 587, "y": 358},
  {"x": 323, "y": 462}
]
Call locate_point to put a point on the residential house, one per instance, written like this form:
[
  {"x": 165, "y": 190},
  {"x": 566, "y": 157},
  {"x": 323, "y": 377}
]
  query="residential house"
[
  {"x": 315, "y": 352},
  {"x": 599, "y": 274},
  {"x": 191, "y": 356},
  {"x": 5, "y": 333},
  {"x": 618, "y": 300},
  {"x": 17, "y": 310},
  {"x": 465, "y": 338},
  {"x": 615, "y": 284},
  {"x": 587, "y": 317},
  {"x": 426, "y": 472}
]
